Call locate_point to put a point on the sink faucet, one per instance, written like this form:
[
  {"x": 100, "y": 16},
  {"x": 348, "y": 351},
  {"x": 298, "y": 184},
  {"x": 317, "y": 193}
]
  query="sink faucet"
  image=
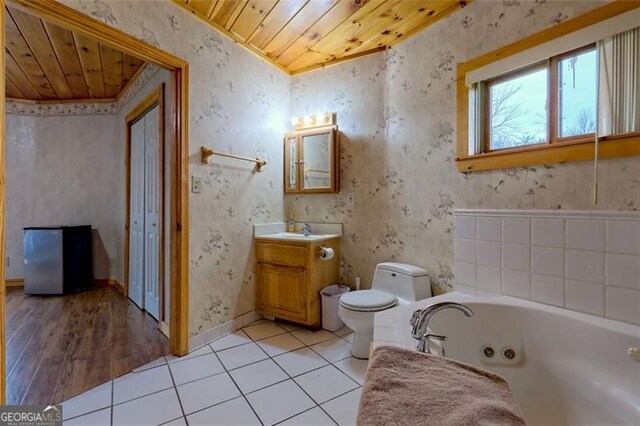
[
  {"x": 420, "y": 322},
  {"x": 306, "y": 229}
]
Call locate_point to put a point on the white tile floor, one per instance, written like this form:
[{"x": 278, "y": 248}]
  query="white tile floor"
[{"x": 265, "y": 374}]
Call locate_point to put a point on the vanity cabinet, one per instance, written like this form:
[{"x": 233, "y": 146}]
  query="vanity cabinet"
[
  {"x": 290, "y": 275},
  {"x": 311, "y": 161}
]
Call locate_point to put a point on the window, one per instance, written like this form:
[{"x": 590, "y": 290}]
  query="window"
[
  {"x": 550, "y": 102},
  {"x": 517, "y": 109},
  {"x": 577, "y": 93},
  {"x": 568, "y": 93}
]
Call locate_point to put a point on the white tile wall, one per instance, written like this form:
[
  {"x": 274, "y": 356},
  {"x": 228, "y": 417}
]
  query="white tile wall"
[{"x": 580, "y": 260}]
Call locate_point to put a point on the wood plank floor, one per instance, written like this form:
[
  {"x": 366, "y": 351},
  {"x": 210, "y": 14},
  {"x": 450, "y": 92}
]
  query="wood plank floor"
[{"x": 60, "y": 346}]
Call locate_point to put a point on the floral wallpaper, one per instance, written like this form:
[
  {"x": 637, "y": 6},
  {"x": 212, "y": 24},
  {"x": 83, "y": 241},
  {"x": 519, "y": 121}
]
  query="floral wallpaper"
[
  {"x": 16, "y": 107},
  {"x": 397, "y": 115},
  {"x": 396, "y": 112},
  {"x": 238, "y": 104}
]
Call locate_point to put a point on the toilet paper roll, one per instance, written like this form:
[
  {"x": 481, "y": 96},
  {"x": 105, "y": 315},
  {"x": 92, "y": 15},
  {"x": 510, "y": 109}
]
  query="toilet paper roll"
[{"x": 326, "y": 253}]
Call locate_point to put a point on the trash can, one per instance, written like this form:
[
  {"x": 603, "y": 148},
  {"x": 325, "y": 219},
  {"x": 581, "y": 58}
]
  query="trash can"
[{"x": 330, "y": 301}]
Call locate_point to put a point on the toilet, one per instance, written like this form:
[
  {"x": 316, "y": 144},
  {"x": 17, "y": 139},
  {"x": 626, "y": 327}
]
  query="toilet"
[{"x": 393, "y": 284}]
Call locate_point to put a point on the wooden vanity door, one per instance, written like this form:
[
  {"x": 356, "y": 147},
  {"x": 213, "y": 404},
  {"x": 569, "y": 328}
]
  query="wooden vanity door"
[{"x": 282, "y": 291}]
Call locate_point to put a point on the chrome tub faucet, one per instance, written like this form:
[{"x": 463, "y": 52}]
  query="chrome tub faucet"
[
  {"x": 306, "y": 229},
  {"x": 420, "y": 323}
]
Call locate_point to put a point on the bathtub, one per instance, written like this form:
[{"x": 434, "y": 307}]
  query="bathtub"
[{"x": 566, "y": 368}]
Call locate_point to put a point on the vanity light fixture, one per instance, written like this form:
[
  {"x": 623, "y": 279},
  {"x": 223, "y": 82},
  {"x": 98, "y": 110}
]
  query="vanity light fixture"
[{"x": 317, "y": 120}]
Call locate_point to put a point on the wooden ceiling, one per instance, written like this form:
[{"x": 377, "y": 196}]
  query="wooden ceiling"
[
  {"x": 45, "y": 62},
  {"x": 301, "y": 35}
]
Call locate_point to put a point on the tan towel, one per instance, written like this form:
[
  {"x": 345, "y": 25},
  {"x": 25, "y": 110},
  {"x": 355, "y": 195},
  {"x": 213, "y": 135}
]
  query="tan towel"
[{"x": 405, "y": 387}]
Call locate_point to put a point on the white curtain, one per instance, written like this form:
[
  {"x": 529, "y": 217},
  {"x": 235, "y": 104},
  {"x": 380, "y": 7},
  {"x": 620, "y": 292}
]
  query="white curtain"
[{"x": 620, "y": 83}]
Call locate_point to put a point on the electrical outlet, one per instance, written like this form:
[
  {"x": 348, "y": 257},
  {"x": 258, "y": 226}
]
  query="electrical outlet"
[
  {"x": 196, "y": 184},
  {"x": 113, "y": 263},
  {"x": 351, "y": 199}
]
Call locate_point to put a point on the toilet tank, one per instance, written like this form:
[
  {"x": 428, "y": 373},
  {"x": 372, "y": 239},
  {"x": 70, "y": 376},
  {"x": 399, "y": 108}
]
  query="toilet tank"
[{"x": 407, "y": 282}]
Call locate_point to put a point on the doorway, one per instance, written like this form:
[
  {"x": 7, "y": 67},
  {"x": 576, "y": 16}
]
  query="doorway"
[{"x": 177, "y": 215}]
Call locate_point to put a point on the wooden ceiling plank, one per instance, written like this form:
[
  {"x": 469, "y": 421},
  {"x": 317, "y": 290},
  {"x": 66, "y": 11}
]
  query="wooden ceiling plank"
[
  {"x": 229, "y": 12},
  {"x": 65, "y": 48},
  {"x": 344, "y": 32},
  {"x": 275, "y": 21},
  {"x": 111, "y": 70},
  {"x": 32, "y": 29},
  {"x": 131, "y": 67},
  {"x": 336, "y": 16},
  {"x": 252, "y": 15},
  {"x": 397, "y": 32},
  {"x": 24, "y": 58},
  {"x": 308, "y": 15},
  {"x": 455, "y": 5},
  {"x": 373, "y": 27},
  {"x": 385, "y": 23},
  {"x": 202, "y": 6},
  {"x": 328, "y": 45},
  {"x": 89, "y": 52},
  {"x": 12, "y": 90},
  {"x": 330, "y": 62},
  {"x": 19, "y": 78}
]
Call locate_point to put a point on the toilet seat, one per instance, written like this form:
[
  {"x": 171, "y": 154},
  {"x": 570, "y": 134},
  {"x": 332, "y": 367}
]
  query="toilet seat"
[{"x": 368, "y": 300}]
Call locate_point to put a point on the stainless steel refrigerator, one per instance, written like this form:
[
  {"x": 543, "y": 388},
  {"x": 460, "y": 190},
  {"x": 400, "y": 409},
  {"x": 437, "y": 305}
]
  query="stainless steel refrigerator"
[{"x": 57, "y": 260}]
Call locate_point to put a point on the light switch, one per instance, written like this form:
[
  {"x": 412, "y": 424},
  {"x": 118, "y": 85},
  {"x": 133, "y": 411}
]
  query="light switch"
[{"x": 196, "y": 184}]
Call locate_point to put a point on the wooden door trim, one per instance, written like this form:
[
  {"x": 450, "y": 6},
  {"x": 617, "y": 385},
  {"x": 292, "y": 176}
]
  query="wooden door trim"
[
  {"x": 72, "y": 19},
  {"x": 153, "y": 99},
  {"x": 3, "y": 214}
]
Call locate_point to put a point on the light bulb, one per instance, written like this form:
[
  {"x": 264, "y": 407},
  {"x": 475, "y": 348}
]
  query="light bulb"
[
  {"x": 320, "y": 118},
  {"x": 308, "y": 119},
  {"x": 295, "y": 121}
]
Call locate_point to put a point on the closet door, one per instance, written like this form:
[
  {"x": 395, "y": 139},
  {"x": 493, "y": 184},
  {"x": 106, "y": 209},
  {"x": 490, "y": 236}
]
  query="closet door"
[
  {"x": 152, "y": 215},
  {"x": 136, "y": 214}
]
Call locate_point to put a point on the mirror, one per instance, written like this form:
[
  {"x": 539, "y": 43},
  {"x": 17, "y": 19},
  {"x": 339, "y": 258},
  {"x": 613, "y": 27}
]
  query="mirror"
[
  {"x": 311, "y": 161},
  {"x": 316, "y": 161},
  {"x": 292, "y": 151}
]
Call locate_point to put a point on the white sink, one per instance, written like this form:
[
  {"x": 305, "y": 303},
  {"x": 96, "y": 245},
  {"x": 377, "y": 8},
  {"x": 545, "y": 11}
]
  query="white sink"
[{"x": 298, "y": 237}]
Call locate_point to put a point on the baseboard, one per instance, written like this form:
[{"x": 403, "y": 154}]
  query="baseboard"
[
  {"x": 119, "y": 286},
  {"x": 101, "y": 282},
  {"x": 14, "y": 282},
  {"x": 164, "y": 328},
  {"x": 222, "y": 330}
]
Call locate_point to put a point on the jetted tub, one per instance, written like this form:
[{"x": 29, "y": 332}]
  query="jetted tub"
[{"x": 567, "y": 367}]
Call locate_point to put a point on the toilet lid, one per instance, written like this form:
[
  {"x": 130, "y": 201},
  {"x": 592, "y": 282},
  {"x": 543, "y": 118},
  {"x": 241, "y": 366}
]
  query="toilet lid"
[{"x": 368, "y": 300}]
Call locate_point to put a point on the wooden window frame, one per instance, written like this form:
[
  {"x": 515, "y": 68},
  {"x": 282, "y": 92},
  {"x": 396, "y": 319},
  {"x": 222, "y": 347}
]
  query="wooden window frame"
[{"x": 569, "y": 149}]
